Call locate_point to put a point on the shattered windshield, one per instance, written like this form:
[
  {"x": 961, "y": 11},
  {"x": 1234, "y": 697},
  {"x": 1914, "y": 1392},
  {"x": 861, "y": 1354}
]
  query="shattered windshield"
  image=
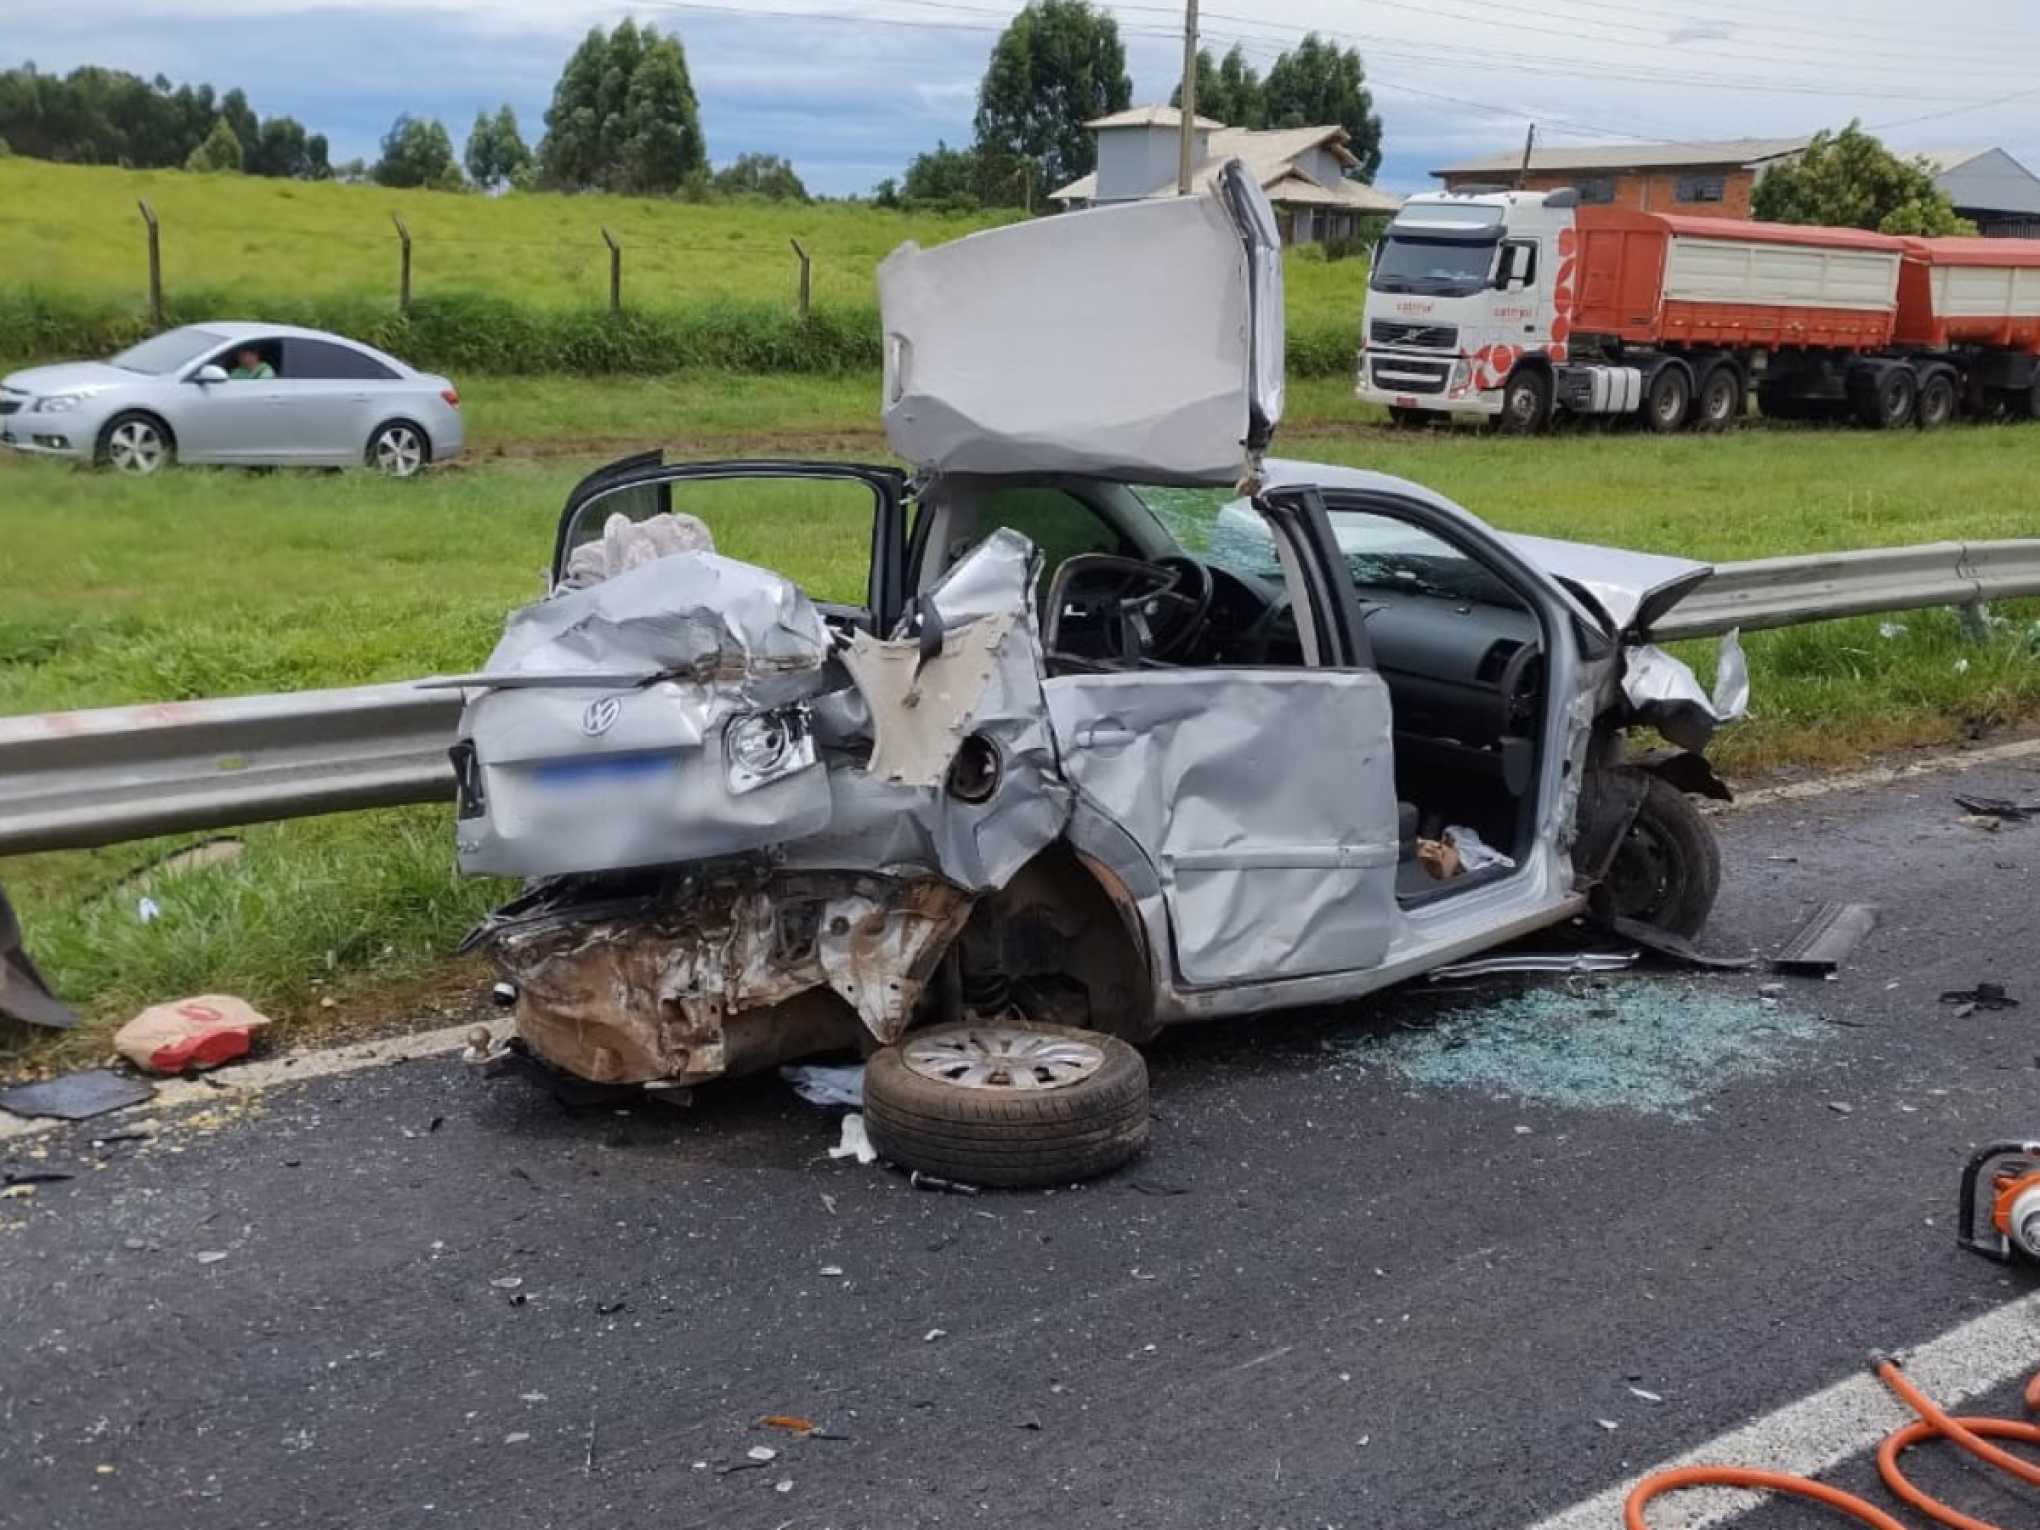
[
  {"x": 1381, "y": 553},
  {"x": 1452, "y": 267}
]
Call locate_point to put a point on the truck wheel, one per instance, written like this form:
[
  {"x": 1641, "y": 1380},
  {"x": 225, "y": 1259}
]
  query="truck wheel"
[
  {"x": 2026, "y": 405},
  {"x": 1937, "y": 401},
  {"x": 1888, "y": 404},
  {"x": 1006, "y": 1105},
  {"x": 1667, "y": 871},
  {"x": 1526, "y": 403},
  {"x": 1719, "y": 403},
  {"x": 1669, "y": 399}
]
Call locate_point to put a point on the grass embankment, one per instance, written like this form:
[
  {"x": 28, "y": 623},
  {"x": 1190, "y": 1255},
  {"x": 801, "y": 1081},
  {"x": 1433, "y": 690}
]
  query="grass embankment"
[
  {"x": 501, "y": 284},
  {"x": 205, "y": 583}
]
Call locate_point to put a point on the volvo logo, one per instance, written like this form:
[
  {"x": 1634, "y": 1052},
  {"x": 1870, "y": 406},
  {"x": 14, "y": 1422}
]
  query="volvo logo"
[{"x": 601, "y": 716}]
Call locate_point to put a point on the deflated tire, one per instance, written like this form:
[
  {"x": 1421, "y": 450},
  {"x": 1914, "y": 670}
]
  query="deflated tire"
[{"x": 1007, "y": 1105}]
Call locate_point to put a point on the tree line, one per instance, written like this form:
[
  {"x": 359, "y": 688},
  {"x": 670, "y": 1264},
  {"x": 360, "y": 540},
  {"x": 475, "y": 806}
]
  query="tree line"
[{"x": 95, "y": 116}]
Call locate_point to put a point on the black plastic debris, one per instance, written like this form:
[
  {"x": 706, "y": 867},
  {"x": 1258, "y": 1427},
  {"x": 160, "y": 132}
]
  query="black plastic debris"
[
  {"x": 1674, "y": 948},
  {"x": 1826, "y": 940},
  {"x": 77, "y": 1096},
  {"x": 24, "y": 996},
  {"x": 1998, "y": 807},
  {"x": 1968, "y": 1001}
]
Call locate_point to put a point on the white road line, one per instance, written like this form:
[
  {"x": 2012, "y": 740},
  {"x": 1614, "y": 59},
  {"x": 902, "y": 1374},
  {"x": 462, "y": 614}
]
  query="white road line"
[
  {"x": 1891, "y": 775},
  {"x": 256, "y": 1077},
  {"x": 1823, "y": 1430}
]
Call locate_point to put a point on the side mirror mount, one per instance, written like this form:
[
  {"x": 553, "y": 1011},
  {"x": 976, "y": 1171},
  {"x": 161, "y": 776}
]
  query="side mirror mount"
[{"x": 209, "y": 374}]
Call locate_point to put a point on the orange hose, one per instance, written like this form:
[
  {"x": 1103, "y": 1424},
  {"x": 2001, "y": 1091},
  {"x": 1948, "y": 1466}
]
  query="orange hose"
[{"x": 1972, "y": 1434}]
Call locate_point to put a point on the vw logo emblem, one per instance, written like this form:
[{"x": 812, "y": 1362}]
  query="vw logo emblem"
[{"x": 601, "y": 716}]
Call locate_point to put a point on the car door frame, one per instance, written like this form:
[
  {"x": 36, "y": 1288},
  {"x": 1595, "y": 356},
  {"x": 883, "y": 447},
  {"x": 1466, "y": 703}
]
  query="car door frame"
[{"x": 885, "y": 592}]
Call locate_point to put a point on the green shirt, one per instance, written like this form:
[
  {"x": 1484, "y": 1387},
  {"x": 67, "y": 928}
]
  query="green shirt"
[{"x": 257, "y": 373}]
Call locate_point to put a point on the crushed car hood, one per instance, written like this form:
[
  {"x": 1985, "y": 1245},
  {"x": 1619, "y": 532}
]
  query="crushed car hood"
[
  {"x": 1141, "y": 342},
  {"x": 1634, "y": 589}
]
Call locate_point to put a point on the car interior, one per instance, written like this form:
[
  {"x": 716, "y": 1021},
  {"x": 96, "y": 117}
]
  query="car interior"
[
  {"x": 228, "y": 358},
  {"x": 1461, "y": 653}
]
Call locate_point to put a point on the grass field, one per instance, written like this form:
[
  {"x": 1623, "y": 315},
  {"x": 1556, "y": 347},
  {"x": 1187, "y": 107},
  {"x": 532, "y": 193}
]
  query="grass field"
[
  {"x": 211, "y": 583},
  {"x": 73, "y": 263}
]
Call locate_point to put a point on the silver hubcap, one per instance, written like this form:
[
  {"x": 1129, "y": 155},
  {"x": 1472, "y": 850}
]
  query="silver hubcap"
[
  {"x": 1001, "y": 1057},
  {"x": 135, "y": 447},
  {"x": 399, "y": 452}
]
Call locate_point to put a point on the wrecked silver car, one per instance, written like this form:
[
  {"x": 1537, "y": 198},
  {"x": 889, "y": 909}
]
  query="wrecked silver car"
[{"x": 1125, "y": 723}]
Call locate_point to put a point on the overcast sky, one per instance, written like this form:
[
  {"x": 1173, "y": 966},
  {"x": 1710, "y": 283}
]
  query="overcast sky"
[{"x": 850, "y": 91}]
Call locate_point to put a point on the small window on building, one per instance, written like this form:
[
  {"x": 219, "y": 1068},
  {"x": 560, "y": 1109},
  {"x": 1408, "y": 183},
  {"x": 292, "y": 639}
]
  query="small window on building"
[
  {"x": 1596, "y": 190},
  {"x": 1702, "y": 188}
]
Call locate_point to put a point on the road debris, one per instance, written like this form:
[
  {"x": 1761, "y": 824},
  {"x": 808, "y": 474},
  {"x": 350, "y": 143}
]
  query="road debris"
[
  {"x": 1827, "y": 939},
  {"x": 1649, "y": 1397},
  {"x": 24, "y": 995},
  {"x": 1553, "y": 964},
  {"x": 940, "y": 1186},
  {"x": 761, "y": 1454},
  {"x": 203, "y": 1032},
  {"x": 822, "y": 1085},
  {"x": 1989, "y": 996},
  {"x": 210, "y": 1255},
  {"x": 856, "y": 1141},
  {"x": 789, "y": 1422},
  {"x": 2002, "y": 808},
  {"x": 76, "y": 1096}
]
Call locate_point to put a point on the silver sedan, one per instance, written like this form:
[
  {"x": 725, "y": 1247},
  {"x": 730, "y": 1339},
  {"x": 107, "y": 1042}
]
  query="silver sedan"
[{"x": 246, "y": 395}]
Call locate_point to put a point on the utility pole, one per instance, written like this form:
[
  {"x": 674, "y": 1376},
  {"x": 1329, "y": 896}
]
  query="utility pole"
[
  {"x": 1187, "y": 164},
  {"x": 1529, "y": 143}
]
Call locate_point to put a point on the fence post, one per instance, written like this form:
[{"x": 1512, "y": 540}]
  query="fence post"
[
  {"x": 806, "y": 275},
  {"x": 404, "y": 268},
  {"x": 615, "y": 271},
  {"x": 155, "y": 261}
]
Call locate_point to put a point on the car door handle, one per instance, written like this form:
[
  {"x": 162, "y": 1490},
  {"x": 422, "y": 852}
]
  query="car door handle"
[{"x": 1107, "y": 737}]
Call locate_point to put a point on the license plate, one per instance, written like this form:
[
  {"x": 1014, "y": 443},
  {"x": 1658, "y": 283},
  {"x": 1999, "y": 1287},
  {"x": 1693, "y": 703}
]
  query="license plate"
[{"x": 603, "y": 771}]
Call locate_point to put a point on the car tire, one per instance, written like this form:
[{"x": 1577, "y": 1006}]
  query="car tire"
[
  {"x": 1526, "y": 403},
  {"x": 399, "y": 449},
  {"x": 1667, "y": 870},
  {"x": 137, "y": 444},
  {"x": 943, "y": 1102}
]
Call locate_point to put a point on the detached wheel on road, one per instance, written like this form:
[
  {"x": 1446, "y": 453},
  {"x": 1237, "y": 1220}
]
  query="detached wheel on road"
[
  {"x": 399, "y": 450},
  {"x": 136, "y": 443},
  {"x": 1526, "y": 403},
  {"x": 1006, "y": 1105},
  {"x": 1667, "y": 871}
]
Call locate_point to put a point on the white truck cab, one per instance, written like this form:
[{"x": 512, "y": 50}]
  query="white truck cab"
[{"x": 1465, "y": 285}]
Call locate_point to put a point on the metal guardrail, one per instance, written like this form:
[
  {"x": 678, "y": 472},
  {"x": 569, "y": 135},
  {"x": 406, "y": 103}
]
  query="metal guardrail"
[
  {"x": 73, "y": 780},
  {"x": 1783, "y": 592}
]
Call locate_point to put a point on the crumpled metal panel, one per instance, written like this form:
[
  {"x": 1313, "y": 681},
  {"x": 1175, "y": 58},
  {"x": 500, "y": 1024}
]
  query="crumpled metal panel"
[
  {"x": 902, "y": 829},
  {"x": 1666, "y": 695},
  {"x": 693, "y": 614},
  {"x": 1118, "y": 342},
  {"x": 921, "y": 708},
  {"x": 1259, "y": 883},
  {"x": 629, "y": 995}
]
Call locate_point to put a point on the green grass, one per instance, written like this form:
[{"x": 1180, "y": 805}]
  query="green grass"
[
  {"x": 517, "y": 283},
  {"x": 212, "y": 583}
]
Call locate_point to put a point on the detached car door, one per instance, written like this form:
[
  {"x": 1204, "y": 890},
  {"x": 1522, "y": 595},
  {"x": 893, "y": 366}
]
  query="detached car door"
[
  {"x": 1264, "y": 797},
  {"x": 836, "y": 529}
]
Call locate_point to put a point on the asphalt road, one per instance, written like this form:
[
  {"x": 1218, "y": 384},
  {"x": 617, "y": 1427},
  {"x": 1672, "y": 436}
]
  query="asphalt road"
[{"x": 1341, "y": 1290}]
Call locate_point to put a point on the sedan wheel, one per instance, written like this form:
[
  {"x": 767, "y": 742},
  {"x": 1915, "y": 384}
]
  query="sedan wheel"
[
  {"x": 136, "y": 444},
  {"x": 399, "y": 451}
]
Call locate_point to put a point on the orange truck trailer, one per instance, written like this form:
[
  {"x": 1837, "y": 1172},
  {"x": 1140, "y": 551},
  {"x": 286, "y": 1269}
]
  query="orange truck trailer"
[{"x": 1526, "y": 307}]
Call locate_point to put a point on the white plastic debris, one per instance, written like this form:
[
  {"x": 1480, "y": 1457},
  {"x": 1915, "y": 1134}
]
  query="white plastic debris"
[
  {"x": 1649, "y": 1397},
  {"x": 820, "y": 1085},
  {"x": 856, "y": 1141},
  {"x": 148, "y": 910},
  {"x": 762, "y": 1453},
  {"x": 1475, "y": 853},
  {"x": 1890, "y": 630}
]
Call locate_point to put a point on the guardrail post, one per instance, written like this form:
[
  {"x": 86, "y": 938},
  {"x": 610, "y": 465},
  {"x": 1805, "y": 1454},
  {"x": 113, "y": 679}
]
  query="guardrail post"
[
  {"x": 1975, "y": 619},
  {"x": 806, "y": 275},
  {"x": 403, "y": 268},
  {"x": 155, "y": 261},
  {"x": 615, "y": 271}
]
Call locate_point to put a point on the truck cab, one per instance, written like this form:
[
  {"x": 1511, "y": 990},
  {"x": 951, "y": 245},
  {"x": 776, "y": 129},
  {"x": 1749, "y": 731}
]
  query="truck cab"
[{"x": 1464, "y": 286}]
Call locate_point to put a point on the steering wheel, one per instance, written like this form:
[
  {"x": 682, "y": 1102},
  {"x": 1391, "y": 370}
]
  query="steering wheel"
[
  {"x": 1519, "y": 697},
  {"x": 1150, "y": 610}
]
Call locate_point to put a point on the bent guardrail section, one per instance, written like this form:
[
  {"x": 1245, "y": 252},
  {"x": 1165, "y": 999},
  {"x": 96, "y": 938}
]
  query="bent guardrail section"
[{"x": 73, "y": 780}]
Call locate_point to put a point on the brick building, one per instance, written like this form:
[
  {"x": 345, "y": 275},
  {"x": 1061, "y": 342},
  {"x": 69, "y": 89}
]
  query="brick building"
[{"x": 1707, "y": 180}]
